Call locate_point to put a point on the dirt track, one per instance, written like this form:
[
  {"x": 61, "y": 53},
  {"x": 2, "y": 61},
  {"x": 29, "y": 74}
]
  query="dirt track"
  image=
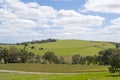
[{"x": 25, "y": 72}]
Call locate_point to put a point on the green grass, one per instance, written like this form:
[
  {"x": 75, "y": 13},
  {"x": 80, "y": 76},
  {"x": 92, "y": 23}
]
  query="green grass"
[
  {"x": 69, "y": 47},
  {"x": 87, "y": 76},
  {"x": 55, "y": 68},
  {"x": 85, "y": 72}
]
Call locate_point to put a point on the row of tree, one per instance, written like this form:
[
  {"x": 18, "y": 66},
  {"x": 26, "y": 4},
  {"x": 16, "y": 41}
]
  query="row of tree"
[
  {"x": 106, "y": 57},
  {"x": 103, "y": 58},
  {"x": 38, "y": 41},
  {"x": 15, "y": 55}
]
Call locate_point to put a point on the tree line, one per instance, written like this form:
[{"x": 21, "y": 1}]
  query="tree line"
[
  {"x": 38, "y": 41},
  {"x": 105, "y": 57},
  {"x": 16, "y": 55},
  {"x": 109, "y": 57}
]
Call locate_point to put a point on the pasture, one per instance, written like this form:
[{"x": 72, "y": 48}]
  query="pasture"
[
  {"x": 54, "y": 68},
  {"x": 84, "y": 72},
  {"x": 86, "y": 76},
  {"x": 69, "y": 47},
  {"x": 65, "y": 48}
]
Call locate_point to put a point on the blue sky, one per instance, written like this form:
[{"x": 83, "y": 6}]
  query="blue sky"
[
  {"x": 60, "y": 4},
  {"x": 26, "y": 20},
  {"x": 71, "y": 5}
]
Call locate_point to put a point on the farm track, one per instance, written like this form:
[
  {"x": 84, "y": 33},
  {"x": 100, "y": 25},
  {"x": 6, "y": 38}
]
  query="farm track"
[{"x": 25, "y": 72}]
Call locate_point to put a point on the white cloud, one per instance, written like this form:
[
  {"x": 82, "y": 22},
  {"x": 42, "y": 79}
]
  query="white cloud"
[
  {"x": 108, "y": 6},
  {"x": 116, "y": 21},
  {"x": 115, "y": 27},
  {"x": 29, "y": 21},
  {"x": 110, "y": 33},
  {"x": 72, "y": 18}
]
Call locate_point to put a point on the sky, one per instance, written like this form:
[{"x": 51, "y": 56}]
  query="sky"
[{"x": 27, "y": 20}]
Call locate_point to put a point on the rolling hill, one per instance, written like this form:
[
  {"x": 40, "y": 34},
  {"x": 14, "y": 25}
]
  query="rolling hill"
[{"x": 69, "y": 47}]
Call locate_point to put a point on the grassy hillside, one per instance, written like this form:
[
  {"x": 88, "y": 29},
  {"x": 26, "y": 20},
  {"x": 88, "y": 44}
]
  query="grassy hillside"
[{"x": 70, "y": 47}]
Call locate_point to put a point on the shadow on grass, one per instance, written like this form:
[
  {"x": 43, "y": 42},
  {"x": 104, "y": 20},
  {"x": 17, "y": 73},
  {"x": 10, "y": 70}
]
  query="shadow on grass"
[{"x": 114, "y": 75}]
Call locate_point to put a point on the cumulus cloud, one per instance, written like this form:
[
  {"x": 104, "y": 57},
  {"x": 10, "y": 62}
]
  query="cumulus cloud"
[
  {"x": 115, "y": 27},
  {"x": 110, "y": 32},
  {"x": 107, "y": 6},
  {"x": 27, "y": 21},
  {"x": 73, "y": 18}
]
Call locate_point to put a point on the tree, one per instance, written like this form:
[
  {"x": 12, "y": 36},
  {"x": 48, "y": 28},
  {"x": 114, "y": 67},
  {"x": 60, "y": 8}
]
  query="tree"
[
  {"x": 82, "y": 60},
  {"x": 33, "y": 47},
  {"x": 31, "y": 57},
  {"x": 104, "y": 56},
  {"x": 115, "y": 62},
  {"x": 38, "y": 57},
  {"x": 51, "y": 57},
  {"x": 117, "y": 45},
  {"x": 1, "y": 54},
  {"x": 25, "y": 45},
  {"x": 23, "y": 55},
  {"x": 89, "y": 59},
  {"x": 13, "y": 55},
  {"x": 76, "y": 59},
  {"x": 95, "y": 59},
  {"x": 5, "y": 55}
]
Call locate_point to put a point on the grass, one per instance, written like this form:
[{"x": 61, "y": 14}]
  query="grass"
[
  {"x": 64, "y": 48},
  {"x": 87, "y": 76},
  {"x": 69, "y": 47},
  {"x": 55, "y": 68},
  {"x": 85, "y": 72}
]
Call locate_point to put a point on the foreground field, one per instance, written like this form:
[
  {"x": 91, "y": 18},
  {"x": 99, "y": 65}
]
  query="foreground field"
[
  {"x": 54, "y": 68},
  {"x": 69, "y": 47},
  {"x": 61, "y": 72},
  {"x": 87, "y": 76}
]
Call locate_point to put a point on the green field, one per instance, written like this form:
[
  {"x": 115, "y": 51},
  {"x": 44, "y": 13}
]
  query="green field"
[
  {"x": 69, "y": 47},
  {"x": 54, "y": 68},
  {"x": 84, "y": 72},
  {"x": 87, "y": 76},
  {"x": 64, "y": 48}
]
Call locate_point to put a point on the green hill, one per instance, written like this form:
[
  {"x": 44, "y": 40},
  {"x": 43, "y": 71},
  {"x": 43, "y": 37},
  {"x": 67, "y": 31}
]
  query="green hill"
[{"x": 70, "y": 47}]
